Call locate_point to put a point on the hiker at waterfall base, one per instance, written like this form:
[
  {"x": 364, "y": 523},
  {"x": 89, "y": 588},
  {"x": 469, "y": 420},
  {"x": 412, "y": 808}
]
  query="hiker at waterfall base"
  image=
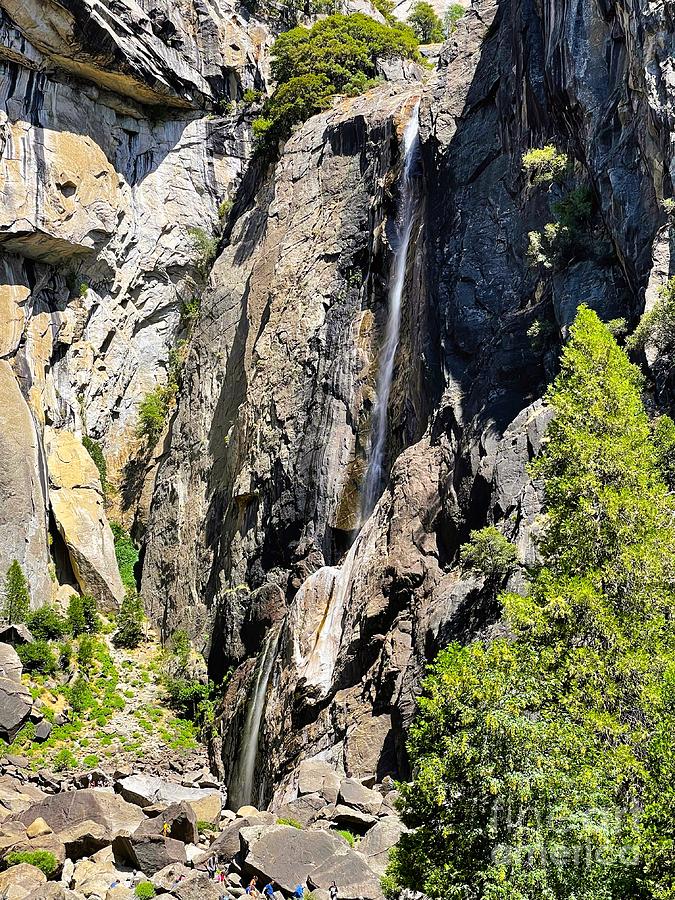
[
  {"x": 333, "y": 891},
  {"x": 268, "y": 890},
  {"x": 211, "y": 864},
  {"x": 253, "y": 886}
]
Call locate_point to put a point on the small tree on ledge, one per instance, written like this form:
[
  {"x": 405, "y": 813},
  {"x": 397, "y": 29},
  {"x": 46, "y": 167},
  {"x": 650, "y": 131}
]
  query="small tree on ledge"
[{"x": 17, "y": 598}]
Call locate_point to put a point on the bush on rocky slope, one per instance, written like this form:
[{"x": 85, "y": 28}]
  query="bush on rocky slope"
[
  {"x": 337, "y": 55},
  {"x": 544, "y": 765}
]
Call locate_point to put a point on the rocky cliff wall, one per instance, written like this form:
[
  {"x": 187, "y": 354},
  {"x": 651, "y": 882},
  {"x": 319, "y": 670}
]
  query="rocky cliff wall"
[
  {"x": 118, "y": 138},
  {"x": 261, "y": 495}
]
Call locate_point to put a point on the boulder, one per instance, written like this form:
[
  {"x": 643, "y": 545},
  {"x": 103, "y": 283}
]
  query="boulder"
[
  {"x": 150, "y": 854},
  {"x": 15, "y": 706},
  {"x": 19, "y": 882},
  {"x": 52, "y": 891},
  {"x": 315, "y": 776},
  {"x": 47, "y": 842},
  {"x": 347, "y": 817},
  {"x": 170, "y": 875},
  {"x": 65, "y": 810},
  {"x": 288, "y": 856},
  {"x": 245, "y": 811},
  {"x": 17, "y": 796},
  {"x": 119, "y": 892},
  {"x": 76, "y": 499},
  {"x": 145, "y": 790},
  {"x": 16, "y": 634},
  {"x": 85, "y": 839},
  {"x": 379, "y": 840},
  {"x": 198, "y": 887},
  {"x": 93, "y": 878},
  {"x": 10, "y": 664},
  {"x": 305, "y": 809},
  {"x": 227, "y": 844},
  {"x": 42, "y": 731},
  {"x": 179, "y": 817},
  {"x": 353, "y": 793},
  {"x": 37, "y": 828}
]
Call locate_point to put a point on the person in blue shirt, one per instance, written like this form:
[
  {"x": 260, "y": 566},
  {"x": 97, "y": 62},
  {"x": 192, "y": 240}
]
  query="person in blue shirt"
[
  {"x": 268, "y": 890},
  {"x": 299, "y": 892}
]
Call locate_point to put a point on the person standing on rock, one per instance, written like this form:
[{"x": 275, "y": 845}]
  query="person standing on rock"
[
  {"x": 333, "y": 891},
  {"x": 211, "y": 864},
  {"x": 252, "y": 888},
  {"x": 268, "y": 890}
]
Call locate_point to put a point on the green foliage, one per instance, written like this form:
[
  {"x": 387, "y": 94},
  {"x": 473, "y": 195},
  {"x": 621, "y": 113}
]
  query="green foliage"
[
  {"x": 37, "y": 657},
  {"x": 94, "y": 450},
  {"x": 544, "y": 764},
  {"x": 153, "y": 411},
  {"x": 64, "y": 760},
  {"x": 562, "y": 239},
  {"x": 77, "y": 624},
  {"x": 145, "y": 890},
  {"x": 252, "y": 96},
  {"x": 337, "y": 55},
  {"x": 292, "y": 822},
  {"x": 126, "y": 555},
  {"x": 224, "y": 209},
  {"x": 91, "y": 761},
  {"x": 203, "y": 827},
  {"x": 489, "y": 553},
  {"x": 85, "y": 652},
  {"x": 65, "y": 654},
  {"x": 129, "y": 632},
  {"x": 425, "y": 23},
  {"x": 206, "y": 246},
  {"x": 92, "y": 620},
  {"x": 386, "y": 9},
  {"x": 546, "y": 164},
  {"x": 657, "y": 326},
  {"x": 46, "y": 623},
  {"x": 17, "y": 598},
  {"x": 663, "y": 436},
  {"x": 41, "y": 859},
  {"x": 179, "y": 645},
  {"x": 187, "y": 696},
  {"x": 80, "y": 695},
  {"x": 540, "y": 333},
  {"x": 84, "y": 287},
  {"x": 189, "y": 312},
  {"x": 452, "y": 16},
  {"x": 347, "y": 835}
]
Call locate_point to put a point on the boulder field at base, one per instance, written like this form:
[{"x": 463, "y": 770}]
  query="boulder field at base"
[{"x": 139, "y": 827}]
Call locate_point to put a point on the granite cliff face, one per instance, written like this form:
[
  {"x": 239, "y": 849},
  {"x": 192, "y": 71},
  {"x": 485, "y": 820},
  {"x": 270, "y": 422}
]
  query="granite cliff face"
[{"x": 116, "y": 144}]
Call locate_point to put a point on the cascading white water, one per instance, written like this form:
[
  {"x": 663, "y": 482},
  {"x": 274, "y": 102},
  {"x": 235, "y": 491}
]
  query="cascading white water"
[
  {"x": 404, "y": 227},
  {"x": 241, "y": 785}
]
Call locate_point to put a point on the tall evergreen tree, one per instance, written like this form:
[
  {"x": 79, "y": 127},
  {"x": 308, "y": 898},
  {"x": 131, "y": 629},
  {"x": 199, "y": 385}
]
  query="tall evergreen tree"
[
  {"x": 543, "y": 764},
  {"x": 17, "y": 597}
]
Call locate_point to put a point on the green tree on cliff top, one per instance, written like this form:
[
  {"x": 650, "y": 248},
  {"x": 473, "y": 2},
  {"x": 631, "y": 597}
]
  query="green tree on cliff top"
[{"x": 543, "y": 764}]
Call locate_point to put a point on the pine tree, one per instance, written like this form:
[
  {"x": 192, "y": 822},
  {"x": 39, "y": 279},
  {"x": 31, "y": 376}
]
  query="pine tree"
[
  {"x": 129, "y": 632},
  {"x": 543, "y": 765},
  {"x": 17, "y": 598}
]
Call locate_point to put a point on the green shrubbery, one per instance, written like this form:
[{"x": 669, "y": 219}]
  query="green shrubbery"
[
  {"x": 126, "y": 555},
  {"x": 452, "y": 16},
  {"x": 657, "y": 326},
  {"x": 129, "y": 632},
  {"x": 292, "y": 822},
  {"x": 16, "y": 604},
  {"x": 544, "y": 765},
  {"x": 64, "y": 760},
  {"x": 153, "y": 411},
  {"x": 425, "y": 23},
  {"x": 37, "y": 657},
  {"x": 568, "y": 234},
  {"x": 145, "y": 890},
  {"x": 41, "y": 859},
  {"x": 47, "y": 624},
  {"x": 94, "y": 450},
  {"x": 546, "y": 164},
  {"x": 337, "y": 55}
]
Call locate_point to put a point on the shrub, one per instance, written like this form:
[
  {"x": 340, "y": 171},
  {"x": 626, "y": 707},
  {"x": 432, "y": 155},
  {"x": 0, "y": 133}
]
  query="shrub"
[
  {"x": 77, "y": 624},
  {"x": 80, "y": 695},
  {"x": 126, "y": 555},
  {"x": 347, "y": 835},
  {"x": 489, "y": 553},
  {"x": 292, "y": 822},
  {"x": 425, "y": 23},
  {"x": 663, "y": 435},
  {"x": 546, "y": 164},
  {"x": 85, "y": 652},
  {"x": 189, "y": 311},
  {"x": 17, "y": 598},
  {"x": 90, "y": 761},
  {"x": 129, "y": 632},
  {"x": 90, "y": 612},
  {"x": 657, "y": 326},
  {"x": 65, "y": 654},
  {"x": 452, "y": 16},
  {"x": 41, "y": 859},
  {"x": 84, "y": 287},
  {"x": 153, "y": 411},
  {"x": 187, "y": 695},
  {"x": 37, "y": 657},
  {"x": 540, "y": 333},
  {"x": 386, "y": 9},
  {"x": 561, "y": 239},
  {"x": 64, "y": 760},
  {"x": 94, "y": 450},
  {"x": 338, "y": 54},
  {"x": 206, "y": 246},
  {"x": 46, "y": 623},
  {"x": 252, "y": 96},
  {"x": 145, "y": 890}
]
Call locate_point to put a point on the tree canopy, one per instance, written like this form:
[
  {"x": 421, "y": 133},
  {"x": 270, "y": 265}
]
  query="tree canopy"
[
  {"x": 16, "y": 605},
  {"x": 544, "y": 764},
  {"x": 425, "y": 23},
  {"x": 337, "y": 55}
]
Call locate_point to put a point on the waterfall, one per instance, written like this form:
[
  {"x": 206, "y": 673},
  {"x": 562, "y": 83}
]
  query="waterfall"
[
  {"x": 404, "y": 226},
  {"x": 241, "y": 787}
]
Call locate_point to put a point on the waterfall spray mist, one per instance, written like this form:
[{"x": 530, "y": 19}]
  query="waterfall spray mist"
[{"x": 405, "y": 221}]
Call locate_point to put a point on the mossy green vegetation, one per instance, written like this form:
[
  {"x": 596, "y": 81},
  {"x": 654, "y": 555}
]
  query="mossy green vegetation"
[
  {"x": 337, "y": 55},
  {"x": 41, "y": 859},
  {"x": 544, "y": 765}
]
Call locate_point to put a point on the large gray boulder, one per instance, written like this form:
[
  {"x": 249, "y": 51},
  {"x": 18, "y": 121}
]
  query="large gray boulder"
[
  {"x": 10, "y": 664},
  {"x": 315, "y": 776},
  {"x": 20, "y": 881},
  {"x": 227, "y": 844},
  {"x": 146, "y": 790},
  {"x": 66, "y": 810},
  {"x": 181, "y": 821},
  {"x": 149, "y": 854},
  {"x": 379, "y": 840},
  {"x": 305, "y": 809},
  {"x": 288, "y": 856},
  {"x": 15, "y": 706},
  {"x": 199, "y": 887},
  {"x": 354, "y": 794}
]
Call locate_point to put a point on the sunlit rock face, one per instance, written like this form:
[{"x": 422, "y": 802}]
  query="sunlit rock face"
[
  {"x": 119, "y": 136},
  {"x": 255, "y": 520}
]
